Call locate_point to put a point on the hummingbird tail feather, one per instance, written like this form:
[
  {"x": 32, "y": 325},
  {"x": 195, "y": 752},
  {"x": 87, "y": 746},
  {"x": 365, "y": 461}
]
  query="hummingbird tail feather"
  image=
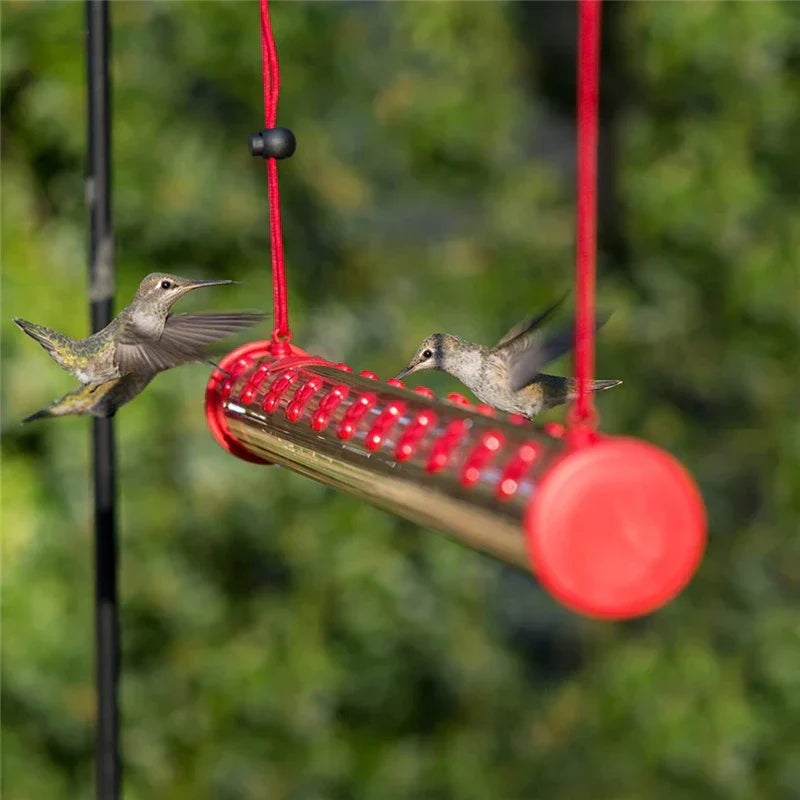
[
  {"x": 562, "y": 390},
  {"x": 42, "y": 335},
  {"x": 51, "y": 340}
]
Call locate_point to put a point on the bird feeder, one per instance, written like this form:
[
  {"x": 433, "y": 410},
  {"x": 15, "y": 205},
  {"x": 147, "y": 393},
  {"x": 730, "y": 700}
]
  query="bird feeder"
[
  {"x": 613, "y": 530},
  {"x": 612, "y": 527}
]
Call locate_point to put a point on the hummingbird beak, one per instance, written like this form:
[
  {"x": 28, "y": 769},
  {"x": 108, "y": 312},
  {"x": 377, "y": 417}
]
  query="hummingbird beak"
[
  {"x": 403, "y": 372},
  {"x": 190, "y": 285}
]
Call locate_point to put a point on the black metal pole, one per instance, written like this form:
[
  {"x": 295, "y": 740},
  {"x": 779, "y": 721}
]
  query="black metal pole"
[{"x": 101, "y": 291}]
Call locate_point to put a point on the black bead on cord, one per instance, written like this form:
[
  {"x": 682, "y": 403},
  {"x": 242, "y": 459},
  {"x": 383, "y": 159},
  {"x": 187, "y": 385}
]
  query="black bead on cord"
[{"x": 273, "y": 143}]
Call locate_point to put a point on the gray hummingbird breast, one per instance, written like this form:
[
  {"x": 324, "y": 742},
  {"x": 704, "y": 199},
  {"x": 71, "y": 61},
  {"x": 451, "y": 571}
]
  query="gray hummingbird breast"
[{"x": 494, "y": 386}]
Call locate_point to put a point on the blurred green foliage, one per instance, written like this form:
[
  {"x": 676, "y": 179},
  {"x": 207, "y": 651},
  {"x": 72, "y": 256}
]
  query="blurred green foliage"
[{"x": 281, "y": 640}]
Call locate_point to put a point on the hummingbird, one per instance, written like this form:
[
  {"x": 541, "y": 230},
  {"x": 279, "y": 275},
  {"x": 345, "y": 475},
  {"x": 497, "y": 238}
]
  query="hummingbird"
[
  {"x": 507, "y": 376},
  {"x": 99, "y": 399},
  {"x": 144, "y": 338}
]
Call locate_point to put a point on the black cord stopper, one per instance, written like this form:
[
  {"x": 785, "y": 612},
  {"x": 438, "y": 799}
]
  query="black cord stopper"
[{"x": 273, "y": 143}]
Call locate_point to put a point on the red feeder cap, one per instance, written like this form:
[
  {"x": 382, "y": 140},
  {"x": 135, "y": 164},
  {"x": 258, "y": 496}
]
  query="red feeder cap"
[
  {"x": 215, "y": 414},
  {"x": 616, "y": 529}
]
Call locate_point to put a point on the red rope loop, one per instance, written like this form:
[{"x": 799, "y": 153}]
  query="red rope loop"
[
  {"x": 281, "y": 334},
  {"x": 583, "y": 415}
]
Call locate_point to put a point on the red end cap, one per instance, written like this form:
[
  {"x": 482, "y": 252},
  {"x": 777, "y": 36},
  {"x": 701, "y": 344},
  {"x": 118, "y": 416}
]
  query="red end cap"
[
  {"x": 215, "y": 413},
  {"x": 616, "y": 529}
]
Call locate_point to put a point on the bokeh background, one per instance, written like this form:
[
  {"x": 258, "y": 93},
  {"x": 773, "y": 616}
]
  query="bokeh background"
[{"x": 281, "y": 640}]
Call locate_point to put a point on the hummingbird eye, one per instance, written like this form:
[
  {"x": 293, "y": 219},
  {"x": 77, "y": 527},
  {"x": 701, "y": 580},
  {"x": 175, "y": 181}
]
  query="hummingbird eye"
[
  {"x": 166, "y": 285},
  {"x": 427, "y": 354}
]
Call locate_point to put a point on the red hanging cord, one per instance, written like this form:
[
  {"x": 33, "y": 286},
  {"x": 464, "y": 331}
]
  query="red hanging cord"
[
  {"x": 583, "y": 415},
  {"x": 281, "y": 334}
]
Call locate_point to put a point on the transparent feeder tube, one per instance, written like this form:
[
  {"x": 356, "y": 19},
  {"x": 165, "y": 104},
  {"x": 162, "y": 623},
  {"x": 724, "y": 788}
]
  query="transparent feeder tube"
[{"x": 438, "y": 463}]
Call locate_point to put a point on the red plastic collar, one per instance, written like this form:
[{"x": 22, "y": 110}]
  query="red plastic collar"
[{"x": 247, "y": 354}]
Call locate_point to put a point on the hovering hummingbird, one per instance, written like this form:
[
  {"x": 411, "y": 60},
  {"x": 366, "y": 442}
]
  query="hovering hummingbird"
[
  {"x": 144, "y": 338},
  {"x": 507, "y": 375},
  {"x": 116, "y": 363},
  {"x": 99, "y": 399}
]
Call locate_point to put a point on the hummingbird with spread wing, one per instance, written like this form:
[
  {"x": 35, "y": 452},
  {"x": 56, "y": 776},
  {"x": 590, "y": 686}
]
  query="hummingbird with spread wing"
[
  {"x": 507, "y": 376},
  {"x": 141, "y": 341}
]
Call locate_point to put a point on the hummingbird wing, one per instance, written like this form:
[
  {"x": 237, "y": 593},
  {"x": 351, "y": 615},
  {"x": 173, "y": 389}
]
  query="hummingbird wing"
[
  {"x": 183, "y": 341},
  {"x": 198, "y": 330},
  {"x": 530, "y": 324},
  {"x": 532, "y": 348}
]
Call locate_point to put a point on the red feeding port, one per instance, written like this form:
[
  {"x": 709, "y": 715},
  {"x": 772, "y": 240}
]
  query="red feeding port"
[
  {"x": 484, "y": 452},
  {"x": 254, "y": 383},
  {"x": 278, "y": 389},
  {"x": 357, "y": 411},
  {"x": 516, "y": 468},
  {"x": 302, "y": 398},
  {"x": 407, "y": 445},
  {"x": 385, "y": 422},
  {"x": 444, "y": 446},
  {"x": 329, "y": 403}
]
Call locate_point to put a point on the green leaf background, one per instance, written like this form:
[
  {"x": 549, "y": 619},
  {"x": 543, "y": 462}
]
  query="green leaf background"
[{"x": 281, "y": 640}]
